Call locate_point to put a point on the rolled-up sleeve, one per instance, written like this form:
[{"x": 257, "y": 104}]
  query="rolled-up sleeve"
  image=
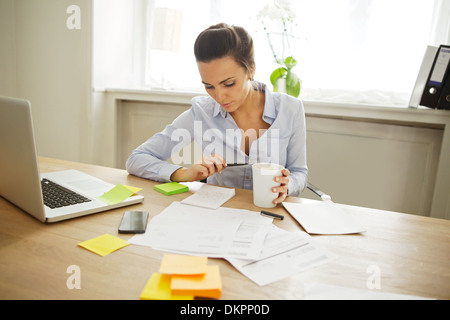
[
  {"x": 149, "y": 160},
  {"x": 296, "y": 154}
]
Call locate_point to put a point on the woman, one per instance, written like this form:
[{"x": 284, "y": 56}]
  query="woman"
[{"x": 240, "y": 121}]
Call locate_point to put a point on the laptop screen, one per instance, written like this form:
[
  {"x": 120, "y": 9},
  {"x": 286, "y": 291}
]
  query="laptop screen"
[{"x": 19, "y": 172}]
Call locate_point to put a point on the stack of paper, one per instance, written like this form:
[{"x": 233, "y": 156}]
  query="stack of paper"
[
  {"x": 209, "y": 196},
  {"x": 182, "y": 277},
  {"x": 249, "y": 241},
  {"x": 284, "y": 254},
  {"x": 264, "y": 253},
  {"x": 211, "y": 232}
]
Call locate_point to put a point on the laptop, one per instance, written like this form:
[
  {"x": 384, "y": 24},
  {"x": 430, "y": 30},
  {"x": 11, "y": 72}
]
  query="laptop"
[{"x": 23, "y": 185}]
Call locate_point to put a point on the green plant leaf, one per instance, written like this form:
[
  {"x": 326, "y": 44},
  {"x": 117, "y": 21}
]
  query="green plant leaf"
[
  {"x": 290, "y": 62},
  {"x": 292, "y": 84},
  {"x": 291, "y": 79},
  {"x": 277, "y": 73},
  {"x": 293, "y": 91}
]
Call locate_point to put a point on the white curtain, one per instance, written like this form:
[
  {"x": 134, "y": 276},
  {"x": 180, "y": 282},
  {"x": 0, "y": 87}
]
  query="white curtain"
[
  {"x": 440, "y": 28},
  {"x": 353, "y": 51}
]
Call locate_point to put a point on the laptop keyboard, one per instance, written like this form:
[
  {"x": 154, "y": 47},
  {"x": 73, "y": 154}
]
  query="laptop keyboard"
[{"x": 56, "y": 196}]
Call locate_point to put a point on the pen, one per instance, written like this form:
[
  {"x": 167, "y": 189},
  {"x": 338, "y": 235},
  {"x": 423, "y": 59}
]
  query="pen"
[
  {"x": 273, "y": 215},
  {"x": 228, "y": 165},
  {"x": 236, "y": 164}
]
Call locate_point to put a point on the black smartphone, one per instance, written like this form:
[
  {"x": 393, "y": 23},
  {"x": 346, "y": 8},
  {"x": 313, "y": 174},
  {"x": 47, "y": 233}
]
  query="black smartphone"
[{"x": 133, "y": 222}]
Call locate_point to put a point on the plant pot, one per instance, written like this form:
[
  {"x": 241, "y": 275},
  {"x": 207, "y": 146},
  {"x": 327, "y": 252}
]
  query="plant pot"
[{"x": 280, "y": 85}]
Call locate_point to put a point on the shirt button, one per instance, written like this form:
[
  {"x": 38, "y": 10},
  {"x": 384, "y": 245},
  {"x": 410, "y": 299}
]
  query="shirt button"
[{"x": 247, "y": 177}]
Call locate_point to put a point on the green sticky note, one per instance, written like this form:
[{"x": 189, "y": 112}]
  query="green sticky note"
[
  {"x": 116, "y": 195},
  {"x": 171, "y": 188}
]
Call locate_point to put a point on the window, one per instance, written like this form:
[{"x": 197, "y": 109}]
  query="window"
[{"x": 360, "y": 51}]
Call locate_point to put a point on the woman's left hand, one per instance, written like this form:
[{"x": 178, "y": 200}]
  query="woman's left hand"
[{"x": 282, "y": 190}]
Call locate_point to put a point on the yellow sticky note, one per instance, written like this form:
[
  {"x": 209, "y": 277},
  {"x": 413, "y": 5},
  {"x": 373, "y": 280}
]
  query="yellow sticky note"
[
  {"x": 182, "y": 264},
  {"x": 208, "y": 285},
  {"x": 158, "y": 288},
  {"x": 133, "y": 189},
  {"x": 104, "y": 244},
  {"x": 116, "y": 195}
]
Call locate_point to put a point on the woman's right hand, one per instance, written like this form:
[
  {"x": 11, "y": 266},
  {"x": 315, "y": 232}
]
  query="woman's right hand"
[{"x": 199, "y": 171}]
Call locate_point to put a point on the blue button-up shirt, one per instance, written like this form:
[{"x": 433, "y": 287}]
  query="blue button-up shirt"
[{"x": 215, "y": 132}]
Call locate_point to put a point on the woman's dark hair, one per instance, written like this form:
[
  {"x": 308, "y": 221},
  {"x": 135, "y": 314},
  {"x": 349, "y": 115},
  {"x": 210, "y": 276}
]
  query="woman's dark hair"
[{"x": 222, "y": 40}]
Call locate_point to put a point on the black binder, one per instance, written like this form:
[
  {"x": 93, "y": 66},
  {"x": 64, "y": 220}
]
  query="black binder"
[{"x": 436, "y": 93}]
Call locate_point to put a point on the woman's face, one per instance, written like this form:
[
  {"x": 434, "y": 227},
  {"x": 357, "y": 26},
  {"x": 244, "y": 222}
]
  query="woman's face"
[{"x": 225, "y": 81}]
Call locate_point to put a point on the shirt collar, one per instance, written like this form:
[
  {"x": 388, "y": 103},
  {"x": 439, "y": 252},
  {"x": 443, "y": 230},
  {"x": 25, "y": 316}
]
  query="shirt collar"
[
  {"x": 269, "y": 106},
  {"x": 269, "y": 113},
  {"x": 219, "y": 110}
]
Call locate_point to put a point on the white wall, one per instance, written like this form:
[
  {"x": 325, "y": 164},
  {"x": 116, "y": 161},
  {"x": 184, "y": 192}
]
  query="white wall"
[
  {"x": 8, "y": 82},
  {"x": 43, "y": 61}
]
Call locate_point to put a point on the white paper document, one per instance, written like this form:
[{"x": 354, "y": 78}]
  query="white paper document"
[
  {"x": 200, "y": 231},
  {"x": 323, "y": 217},
  {"x": 284, "y": 254},
  {"x": 209, "y": 196},
  {"x": 249, "y": 239}
]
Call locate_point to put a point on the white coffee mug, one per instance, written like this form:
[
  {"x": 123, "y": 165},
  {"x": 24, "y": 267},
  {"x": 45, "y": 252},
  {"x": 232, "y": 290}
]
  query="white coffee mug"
[{"x": 263, "y": 182}]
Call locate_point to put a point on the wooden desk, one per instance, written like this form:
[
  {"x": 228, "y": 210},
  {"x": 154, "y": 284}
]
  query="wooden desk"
[{"x": 412, "y": 252}]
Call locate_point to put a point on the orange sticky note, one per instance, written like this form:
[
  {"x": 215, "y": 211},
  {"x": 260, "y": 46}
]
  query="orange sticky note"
[
  {"x": 183, "y": 265},
  {"x": 208, "y": 285},
  {"x": 158, "y": 288}
]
